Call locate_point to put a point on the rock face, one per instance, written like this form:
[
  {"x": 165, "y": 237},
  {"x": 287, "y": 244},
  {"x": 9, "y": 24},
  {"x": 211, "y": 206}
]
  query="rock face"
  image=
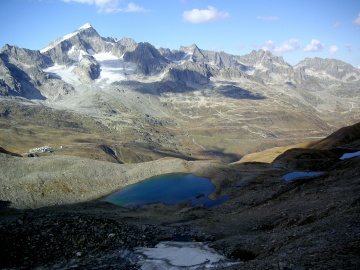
[
  {"x": 328, "y": 69},
  {"x": 21, "y": 74},
  {"x": 188, "y": 74},
  {"x": 25, "y": 57},
  {"x": 148, "y": 59},
  {"x": 88, "y": 69},
  {"x": 67, "y": 49},
  {"x": 268, "y": 67}
]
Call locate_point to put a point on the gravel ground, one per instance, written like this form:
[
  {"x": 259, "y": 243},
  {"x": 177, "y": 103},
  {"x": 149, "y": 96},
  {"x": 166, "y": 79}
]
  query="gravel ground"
[{"x": 310, "y": 223}]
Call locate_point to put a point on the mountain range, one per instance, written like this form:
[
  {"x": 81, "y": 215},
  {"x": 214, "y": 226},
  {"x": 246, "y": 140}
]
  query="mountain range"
[
  {"x": 247, "y": 97},
  {"x": 87, "y": 116},
  {"x": 23, "y": 71}
]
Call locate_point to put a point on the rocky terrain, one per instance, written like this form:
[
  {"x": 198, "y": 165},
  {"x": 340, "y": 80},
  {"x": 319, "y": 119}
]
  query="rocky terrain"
[
  {"x": 266, "y": 223},
  {"x": 86, "y": 116}
]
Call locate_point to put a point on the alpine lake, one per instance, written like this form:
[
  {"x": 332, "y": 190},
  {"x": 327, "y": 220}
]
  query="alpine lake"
[{"x": 168, "y": 189}]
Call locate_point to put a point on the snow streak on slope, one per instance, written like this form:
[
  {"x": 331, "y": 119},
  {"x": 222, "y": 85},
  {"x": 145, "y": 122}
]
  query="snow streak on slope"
[{"x": 56, "y": 42}]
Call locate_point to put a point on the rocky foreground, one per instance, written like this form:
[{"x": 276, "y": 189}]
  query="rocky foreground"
[{"x": 51, "y": 216}]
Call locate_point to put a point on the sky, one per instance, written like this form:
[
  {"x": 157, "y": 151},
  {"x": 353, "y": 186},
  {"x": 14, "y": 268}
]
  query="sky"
[{"x": 292, "y": 29}]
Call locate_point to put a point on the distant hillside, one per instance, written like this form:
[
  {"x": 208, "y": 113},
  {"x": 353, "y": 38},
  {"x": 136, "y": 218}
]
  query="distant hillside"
[{"x": 344, "y": 140}]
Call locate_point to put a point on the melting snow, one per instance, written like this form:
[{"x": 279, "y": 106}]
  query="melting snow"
[{"x": 182, "y": 255}]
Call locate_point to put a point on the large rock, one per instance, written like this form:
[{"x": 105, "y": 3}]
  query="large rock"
[
  {"x": 88, "y": 69},
  {"x": 147, "y": 58},
  {"x": 188, "y": 74}
]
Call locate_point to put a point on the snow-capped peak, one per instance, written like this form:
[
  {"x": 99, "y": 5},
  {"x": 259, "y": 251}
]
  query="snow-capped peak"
[
  {"x": 56, "y": 42},
  {"x": 85, "y": 26}
]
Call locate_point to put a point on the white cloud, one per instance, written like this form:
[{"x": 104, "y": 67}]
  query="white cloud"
[
  {"x": 288, "y": 46},
  {"x": 337, "y": 24},
  {"x": 348, "y": 47},
  {"x": 357, "y": 20},
  {"x": 132, "y": 7},
  {"x": 333, "y": 49},
  {"x": 204, "y": 15},
  {"x": 269, "y": 45},
  {"x": 314, "y": 46},
  {"x": 109, "y": 6},
  {"x": 267, "y": 18}
]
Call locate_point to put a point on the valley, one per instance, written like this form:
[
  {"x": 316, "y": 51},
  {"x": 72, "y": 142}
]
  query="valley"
[{"x": 113, "y": 112}]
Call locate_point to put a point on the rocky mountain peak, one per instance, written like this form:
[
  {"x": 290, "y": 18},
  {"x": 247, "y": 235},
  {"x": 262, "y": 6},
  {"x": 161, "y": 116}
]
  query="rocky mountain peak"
[
  {"x": 267, "y": 66},
  {"x": 147, "y": 57},
  {"x": 84, "y": 52},
  {"x": 127, "y": 42},
  {"x": 329, "y": 69},
  {"x": 85, "y": 26},
  {"x": 262, "y": 57},
  {"x": 68, "y": 49},
  {"x": 189, "y": 49},
  {"x": 24, "y": 57},
  {"x": 85, "y": 31}
]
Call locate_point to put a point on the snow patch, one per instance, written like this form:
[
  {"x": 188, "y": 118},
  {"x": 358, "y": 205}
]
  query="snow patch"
[
  {"x": 113, "y": 68},
  {"x": 64, "y": 73},
  {"x": 85, "y": 26},
  {"x": 76, "y": 54},
  {"x": 105, "y": 56},
  {"x": 182, "y": 255}
]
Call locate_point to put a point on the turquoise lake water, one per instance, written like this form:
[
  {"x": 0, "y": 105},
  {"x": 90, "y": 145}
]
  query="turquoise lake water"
[{"x": 168, "y": 189}]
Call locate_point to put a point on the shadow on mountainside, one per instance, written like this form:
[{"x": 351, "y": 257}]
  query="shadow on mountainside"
[
  {"x": 236, "y": 92},
  {"x": 24, "y": 85},
  {"x": 219, "y": 153},
  {"x": 183, "y": 86},
  {"x": 5, "y": 205}
]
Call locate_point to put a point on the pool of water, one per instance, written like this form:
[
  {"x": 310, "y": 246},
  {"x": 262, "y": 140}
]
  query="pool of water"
[
  {"x": 350, "y": 155},
  {"x": 168, "y": 189},
  {"x": 294, "y": 175}
]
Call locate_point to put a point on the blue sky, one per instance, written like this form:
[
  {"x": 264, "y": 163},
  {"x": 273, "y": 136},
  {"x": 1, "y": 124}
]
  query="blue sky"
[{"x": 293, "y": 29}]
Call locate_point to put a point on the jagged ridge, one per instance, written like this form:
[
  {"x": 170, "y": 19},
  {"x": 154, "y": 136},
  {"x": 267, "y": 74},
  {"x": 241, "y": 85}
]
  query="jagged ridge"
[{"x": 185, "y": 66}]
